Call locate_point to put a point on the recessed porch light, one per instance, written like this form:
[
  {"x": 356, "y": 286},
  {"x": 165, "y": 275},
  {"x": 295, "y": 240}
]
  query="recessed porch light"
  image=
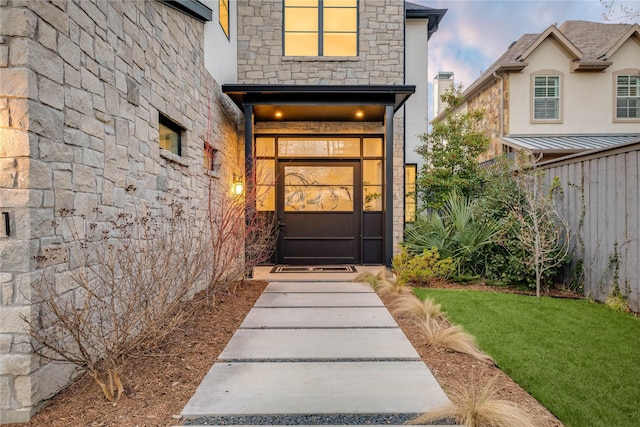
[
  {"x": 359, "y": 114},
  {"x": 278, "y": 114}
]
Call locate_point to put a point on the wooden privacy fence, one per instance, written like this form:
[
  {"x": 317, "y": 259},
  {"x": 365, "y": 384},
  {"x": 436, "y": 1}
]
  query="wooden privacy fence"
[{"x": 601, "y": 200}]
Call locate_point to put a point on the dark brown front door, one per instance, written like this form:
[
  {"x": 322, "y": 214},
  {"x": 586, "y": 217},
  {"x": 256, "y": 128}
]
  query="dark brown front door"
[{"x": 319, "y": 208}]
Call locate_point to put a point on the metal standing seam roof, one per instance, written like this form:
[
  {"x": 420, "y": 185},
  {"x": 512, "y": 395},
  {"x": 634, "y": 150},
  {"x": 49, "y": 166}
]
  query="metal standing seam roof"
[{"x": 567, "y": 143}]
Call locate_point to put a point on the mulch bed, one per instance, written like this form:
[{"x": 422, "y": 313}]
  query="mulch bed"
[{"x": 159, "y": 384}]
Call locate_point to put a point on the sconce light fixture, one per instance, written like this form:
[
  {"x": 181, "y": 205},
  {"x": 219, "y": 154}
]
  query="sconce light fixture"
[{"x": 237, "y": 186}]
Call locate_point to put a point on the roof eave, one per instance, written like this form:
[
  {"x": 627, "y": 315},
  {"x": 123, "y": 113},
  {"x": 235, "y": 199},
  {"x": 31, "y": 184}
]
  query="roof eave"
[
  {"x": 590, "y": 65},
  {"x": 434, "y": 16}
]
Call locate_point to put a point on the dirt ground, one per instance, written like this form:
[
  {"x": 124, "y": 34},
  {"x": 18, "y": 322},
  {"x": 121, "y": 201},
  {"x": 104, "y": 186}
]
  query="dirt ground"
[{"x": 159, "y": 384}]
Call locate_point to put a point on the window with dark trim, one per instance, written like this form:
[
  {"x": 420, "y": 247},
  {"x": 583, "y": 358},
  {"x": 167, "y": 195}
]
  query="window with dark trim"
[
  {"x": 170, "y": 135},
  {"x": 320, "y": 27},
  {"x": 410, "y": 172},
  {"x": 546, "y": 97},
  {"x": 627, "y": 96},
  {"x": 223, "y": 9}
]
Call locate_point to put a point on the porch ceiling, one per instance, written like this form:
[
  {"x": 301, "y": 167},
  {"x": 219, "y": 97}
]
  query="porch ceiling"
[{"x": 319, "y": 103}]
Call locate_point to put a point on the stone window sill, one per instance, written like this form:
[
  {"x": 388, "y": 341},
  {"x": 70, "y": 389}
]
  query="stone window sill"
[
  {"x": 174, "y": 158},
  {"x": 320, "y": 59}
]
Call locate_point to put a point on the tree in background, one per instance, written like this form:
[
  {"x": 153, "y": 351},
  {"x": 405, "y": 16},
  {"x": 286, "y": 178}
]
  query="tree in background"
[{"x": 451, "y": 153}]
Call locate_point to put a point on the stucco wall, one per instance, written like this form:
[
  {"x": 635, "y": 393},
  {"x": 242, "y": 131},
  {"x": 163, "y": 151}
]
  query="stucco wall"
[
  {"x": 416, "y": 107},
  {"x": 587, "y": 98},
  {"x": 81, "y": 86}
]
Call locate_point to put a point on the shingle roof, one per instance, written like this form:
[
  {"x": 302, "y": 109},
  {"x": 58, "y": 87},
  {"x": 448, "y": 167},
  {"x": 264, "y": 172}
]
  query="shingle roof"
[
  {"x": 566, "y": 143},
  {"x": 592, "y": 39}
]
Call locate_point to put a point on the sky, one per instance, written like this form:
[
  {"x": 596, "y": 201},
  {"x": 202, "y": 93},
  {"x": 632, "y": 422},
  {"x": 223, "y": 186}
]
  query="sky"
[{"x": 474, "y": 33}]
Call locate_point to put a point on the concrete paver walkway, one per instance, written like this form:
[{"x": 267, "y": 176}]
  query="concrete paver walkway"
[{"x": 313, "y": 348}]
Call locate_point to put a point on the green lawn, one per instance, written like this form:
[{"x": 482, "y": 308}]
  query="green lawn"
[{"x": 579, "y": 359}]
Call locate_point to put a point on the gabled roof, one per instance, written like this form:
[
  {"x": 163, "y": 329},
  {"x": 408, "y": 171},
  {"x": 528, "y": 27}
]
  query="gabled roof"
[
  {"x": 418, "y": 11},
  {"x": 589, "y": 44}
]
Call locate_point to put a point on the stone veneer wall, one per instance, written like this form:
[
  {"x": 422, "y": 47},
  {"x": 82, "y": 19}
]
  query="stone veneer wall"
[
  {"x": 81, "y": 85},
  {"x": 380, "y": 61},
  {"x": 489, "y": 99}
]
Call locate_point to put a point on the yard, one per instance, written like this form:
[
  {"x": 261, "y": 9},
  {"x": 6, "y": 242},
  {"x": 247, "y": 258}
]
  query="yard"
[{"x": 579, "y": 359}]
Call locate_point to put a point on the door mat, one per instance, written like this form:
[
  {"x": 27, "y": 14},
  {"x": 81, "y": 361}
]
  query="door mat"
[{"x": 314, "y": 269}]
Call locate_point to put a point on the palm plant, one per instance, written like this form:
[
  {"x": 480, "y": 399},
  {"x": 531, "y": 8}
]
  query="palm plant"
[{"x": 455, "y": 232}]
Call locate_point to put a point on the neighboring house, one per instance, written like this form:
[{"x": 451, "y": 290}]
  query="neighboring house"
[
  {"x": 570, "y": 89},
  {"x": 100, "y": 96}
]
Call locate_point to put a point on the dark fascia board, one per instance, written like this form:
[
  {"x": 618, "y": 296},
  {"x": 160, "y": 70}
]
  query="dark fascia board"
[
  {"x": 422, "y": 12},
  {"x": 193, "y": 8},
  {"x": 395, "y": 95}
]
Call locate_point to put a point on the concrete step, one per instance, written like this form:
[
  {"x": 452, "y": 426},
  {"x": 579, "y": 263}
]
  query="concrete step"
[
  {"x": 305, "y": 299},
  {"x": 309, "y": 344},
  {"x": 234, "y": 389},
  {"x": 318, "y": 287},
  {"x": 319, "y": 317}
]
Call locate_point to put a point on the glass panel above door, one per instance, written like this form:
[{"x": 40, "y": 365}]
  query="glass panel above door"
[{"x": 319, "y": 147}]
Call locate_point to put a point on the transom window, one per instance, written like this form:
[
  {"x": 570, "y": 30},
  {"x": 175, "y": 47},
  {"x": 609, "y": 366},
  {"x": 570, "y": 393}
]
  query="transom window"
[
  {"x": 546, "y": 97},
  {"x": 320, "y": 27},
  {"x": 223, "y": 9},
  {"x": 628, "y": 96}
]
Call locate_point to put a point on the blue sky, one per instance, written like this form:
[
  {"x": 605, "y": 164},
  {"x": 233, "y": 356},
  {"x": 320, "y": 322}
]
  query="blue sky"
[{"x": 474, "y": 33}]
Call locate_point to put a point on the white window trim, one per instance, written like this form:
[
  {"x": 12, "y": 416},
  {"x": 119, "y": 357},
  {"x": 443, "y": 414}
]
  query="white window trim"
[
  {"x": 550, "y": 73},
  {"x": 616, "y": 119}
]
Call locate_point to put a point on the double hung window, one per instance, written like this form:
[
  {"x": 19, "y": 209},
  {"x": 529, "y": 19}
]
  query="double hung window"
[
  {"x": 546, "y": 97},
  {"x": 627, "y": 96},
  {"x": 320, "y": 27}
]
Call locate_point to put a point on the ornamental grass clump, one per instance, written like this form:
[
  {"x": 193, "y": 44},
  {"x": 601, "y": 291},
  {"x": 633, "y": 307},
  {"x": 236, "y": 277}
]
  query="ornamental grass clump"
[
  {"x": 444, "y": 336},
  {"x": 477, "y": 406},
  {"x": 411, "y": 306},
  {"x": 374, "y": 280}
]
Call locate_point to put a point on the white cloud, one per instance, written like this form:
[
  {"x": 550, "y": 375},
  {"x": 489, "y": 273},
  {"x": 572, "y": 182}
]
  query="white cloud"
[{"x": 474, "y": 34}]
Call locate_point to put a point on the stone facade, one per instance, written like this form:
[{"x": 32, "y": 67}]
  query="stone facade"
[
  {"x": 380, "y": 61},
  {"x": 82, "y": 84},
  {"x": 494, "y": 100}
]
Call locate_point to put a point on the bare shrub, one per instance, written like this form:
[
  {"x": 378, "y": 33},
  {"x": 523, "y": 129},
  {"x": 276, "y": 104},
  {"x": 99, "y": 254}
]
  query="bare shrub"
[
  {"x": 477, "y": 406},
  {"x": 410, "y": 305},
  {"x": 240, "y": 236},
  {"x": 445, "y": 336},
  {"x": 123, "y": 291}
]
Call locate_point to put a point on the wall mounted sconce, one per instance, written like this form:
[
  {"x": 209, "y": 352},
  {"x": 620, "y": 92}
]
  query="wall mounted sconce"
[{"x": 237, "y": 186}]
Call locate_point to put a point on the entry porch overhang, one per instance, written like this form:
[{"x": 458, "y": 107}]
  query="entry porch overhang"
[
  {"x": 325, "y": 103},
  {"x": 321, "y": 102}
]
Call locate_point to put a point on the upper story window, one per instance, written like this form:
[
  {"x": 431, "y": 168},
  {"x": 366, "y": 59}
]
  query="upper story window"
[
  {"x": 546, "y": 97},
  {"x": 170, "y": 135},
  {"x": 223, "y": 11},
  {"x": 627, "y": 96},
  {"x": 320, "y": 27}
]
